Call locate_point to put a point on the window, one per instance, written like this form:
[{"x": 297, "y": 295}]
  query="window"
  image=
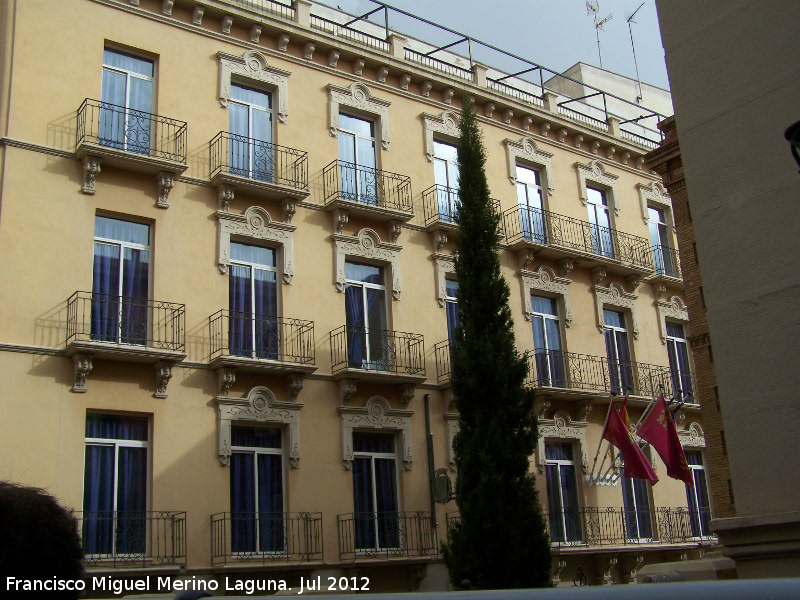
[
  {"x": 357, "y": 163},
  {"x": 562, "y": 493},
  {"x": 618, "y": 352},
  {"x": 253, "y": 302},
  {"x": 115, "y": 485},
  {"x": 451, "y": 306},
  {"x": 529, "y": 196},
  {"x": 257, "y": 519},
  {"x": 547, "y": 342},
  {"x": 697, "y": 496},
  {"x": 251, "y": 151},
  {"x": 365, "y": 308},
  {"x": 445, "y": 170},
  {"x": 120, "y": 281},
  {"x": 659, "y": 237},
  {"x": 375, "y": 491},
  {"x": 678, "y": 351},
  {"x": 126, "y": 102},
  {"x": 638, "y": 513},
  {"x": 600, "y": 223}
]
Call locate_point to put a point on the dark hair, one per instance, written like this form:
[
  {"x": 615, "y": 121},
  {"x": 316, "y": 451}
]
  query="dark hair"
[{"x": 38, "y": 539}]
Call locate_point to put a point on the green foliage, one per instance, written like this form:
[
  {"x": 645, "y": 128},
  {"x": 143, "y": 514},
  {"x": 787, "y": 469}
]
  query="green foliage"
[{"x": 501, "y": 540}]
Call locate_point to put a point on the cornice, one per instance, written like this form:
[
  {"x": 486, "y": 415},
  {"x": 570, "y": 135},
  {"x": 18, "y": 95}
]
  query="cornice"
[{"x": 33, "y": 147}]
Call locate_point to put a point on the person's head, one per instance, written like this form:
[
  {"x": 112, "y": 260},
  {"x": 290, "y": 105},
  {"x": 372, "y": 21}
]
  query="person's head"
[{"x": 38, "y": 539}]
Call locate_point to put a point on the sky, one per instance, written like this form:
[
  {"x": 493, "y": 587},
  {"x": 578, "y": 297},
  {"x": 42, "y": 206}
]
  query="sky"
[{"x": 553, "y": 33}]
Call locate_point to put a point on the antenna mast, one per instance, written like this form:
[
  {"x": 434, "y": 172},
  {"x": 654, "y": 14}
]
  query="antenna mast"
[
  {"x": 594, "y": 10},
  {"x": 636, "y": 64}
]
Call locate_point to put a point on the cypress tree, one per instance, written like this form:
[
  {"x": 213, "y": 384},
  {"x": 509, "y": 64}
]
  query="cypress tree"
[{"x": 501, "y": 540}]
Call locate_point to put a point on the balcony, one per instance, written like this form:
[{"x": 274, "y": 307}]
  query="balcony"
[
  {"x": 264, "y": 538},
  {"x": 130, "y": 139},
  {"x": 377, "y": 355},
  {"x": 122, "y": 328},
  {"x": 386, "y": 535},
  {"x": 441, "y": 353},
  {"x": 258, "y": 167},
  {"x": 441, "y": 203},
  {"x": 133, "y": 539},
  {"x": 556, "y": 236},
  {"x": 367, "y": 192},
  {"x": 259, "y": 343},
  {"x": 668, "y": 266}
]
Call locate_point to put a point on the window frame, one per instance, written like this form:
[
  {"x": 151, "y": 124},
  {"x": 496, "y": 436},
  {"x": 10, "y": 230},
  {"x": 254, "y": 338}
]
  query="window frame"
[
  {"x": 672, "y": 355},
  {"x": 560, "y": 488},
  {"x": 551, "y": 354},
  {"x": 374, "y": 286},
  {"x": 636, "y": 509},
  {"x": 127, "y": 103},
  {"x": 702, "y": 524}
]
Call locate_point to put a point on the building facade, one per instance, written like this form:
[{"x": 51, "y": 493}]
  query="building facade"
[{"x": 229, "y": 225}]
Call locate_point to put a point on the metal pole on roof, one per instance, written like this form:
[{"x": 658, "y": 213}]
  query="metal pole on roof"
[
  {"x": 386, "y": 20},
  {"x": 469, "y": 45}
]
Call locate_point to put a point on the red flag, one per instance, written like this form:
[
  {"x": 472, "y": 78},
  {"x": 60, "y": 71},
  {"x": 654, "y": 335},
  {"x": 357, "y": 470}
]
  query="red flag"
[
  {"x": 624, "y": 413},
  {"x": 636, "y": 464},
  {"x": 659, "y": 429}
]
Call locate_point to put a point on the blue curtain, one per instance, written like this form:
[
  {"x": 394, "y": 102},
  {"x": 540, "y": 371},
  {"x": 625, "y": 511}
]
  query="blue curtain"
[
  {"x": 131, "y": 501},
  {"x": 385, "y": 493},
  {"x": 554, "y": 509},
  {"x": 271, "y": 532},
  {"x": 452, "y": 319},
  {"x": 638, "y": 518},
  {"x": 135, "y": 267},
  {"x": 363, "y": 503},
  {"x": 127, "y": 101},
  {"x": 105, "y": 293},
  {"x": 240, "y": 306},
  {"x": 379, "y": 354},
  {"x": 356, "y": 333},
  {"x": 569, "y": 495},
  {"x": 243, "y": 508},
  {"x": 266, "y": 314},
  {"x": 98, "y": 500}
]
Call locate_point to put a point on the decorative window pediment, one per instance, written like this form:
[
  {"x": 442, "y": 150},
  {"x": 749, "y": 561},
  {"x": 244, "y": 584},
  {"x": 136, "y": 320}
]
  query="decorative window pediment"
[
  {"x": 615, "y": 295},
  {"x": 255, "y": 224},
  {"x": 444, "y": 266},
  {"x": 375, "y": 414},
  {"x": 367, "y": 244},
  {"x": 675, "y": 309},
  {"x": 654, "y": 194},
  {"x": 561, "y": 427},
  {"x": 526, "y": 151},
  {"x": 446, "y": 125},
  {"x": 595, "y": 173},
  {"x": 544, "y": 279},
  {"x": 360, "y": 99},
  {"x": 693, "y": 436},
  {"x": 252, "y": 67},
  {"x": 260, "y": 406}
]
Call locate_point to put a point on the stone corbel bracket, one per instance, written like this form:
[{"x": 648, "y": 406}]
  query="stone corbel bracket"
[
  {"x": 376, "y": 414},
  {"x": 367, "y": 244},
  {"x": 163, "y": 375},
  {"x": 358, "y": 97},
  {"x": 595, "y": 172},
  {"x": 561, "y": 427},
  {"x": 615, "y": 295},
  {"x": 260, "y": 406},
  {"x": 444, "y": 125},
  {"x": 545, "y": 280},
  {"x": 252, "y": 65},
  {"x": 91, "y": 169},
  {"x": 674, "y": 308},
  {"x": 256, "y": 224},
  {"x": 81, "y": 367},
  {"x": 527, "y": 152}
]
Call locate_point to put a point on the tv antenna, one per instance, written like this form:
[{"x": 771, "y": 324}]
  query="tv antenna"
[
  {"x": 594, "y": 10},
  {"x": 636, "y": 64}
]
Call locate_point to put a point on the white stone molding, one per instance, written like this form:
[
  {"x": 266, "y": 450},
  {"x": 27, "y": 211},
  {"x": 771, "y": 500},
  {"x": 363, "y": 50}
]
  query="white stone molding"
[
  {"x": 625, "y": 157},
  {"x": 197, "y": 15},
  {"x": 545, "y": 280},
  {"x": 639, "y": 162},
  {"x": 527, "y": 152},
  {"x": 91, "y": 169},
  {"x": 615, "y": 295},
  {"x": 561, "y": 427},
  {"x": 375, "y": 414},
  {"x": 166, "y": 181},
  {"x": 225, "y": 24},
  {"x": 308, "y": 50},
  {"x": 163, "y": 375},
  {"x": 367, "y": 244},
  {"x": 283, "y": 42},
  {"x": 253, "y": 66},
  {"x": 655, "y": 194},
  {"x": 595, "y": 172},
  {"x": 359, "y": 98},
  {"x": 81, "y": 367},
  {"x": 166, "y": 7},
  {"x": 445, "y": 125},
  {"x": 692, "y": 436},
  {"x": 358, "y": 66},
  {"x": 674, "y": 308},
  {"x": 255, "y": 33},
  {"x": 259, "y": 406},
  {"x": 444, "y": 266},
  {"x": 255, "y": 224}
]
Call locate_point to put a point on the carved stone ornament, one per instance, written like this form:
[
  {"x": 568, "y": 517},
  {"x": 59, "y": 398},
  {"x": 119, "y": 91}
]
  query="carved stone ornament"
[
  {"x": 166, "y": 7},
  {"x": 625, "y": 157},
  {"x": 610, "y": 151},
  {"x": 288, "y": 210},
  {"x": 340, "y": 218},
  {"x": 508, "y": 114},
  {"x": 488, "y": 109},
  {"x": 555, "y": 570},
  {"x": 163, "y": 375},
  {"x": 294, "y": 385},
  {"x": 226, "y": 24},
  {"x": 544, "y": 406},
  {"x": 445, "y": 125},
  {"x": 259, "y": 406},
  {"x": 608, "y": 576},
  {"x": 544, "y": 128},
  {"x": 367, "y": 244},
  {"x": 636, "y": 565},
  {"x": 526, "y": 151},
  {"x": 255, "y": 224},
  {"x": 347, "y": 389},
  {"x": 91, "y": 169},
  {"x": 655, "y": 194},
  {"x": 406, "y": 394},
  {"x": 333, "y": 58},
  {"x": 225, "y": 195},
  {"x": 253, "y": 66},
  {"x": 447, "y": 95},
  {"x": 283, "y": 42},
  {"x": 693, "y": 436},
  {"x": 405, "y": 81},
  {"x": 583, "y": 410},
  {"x": 577, "y": 140},
  {"x": 395, "y": 228},
  {"x": 545, "y": 280},
  {"x": 616, "y": 296},
  {"x": 81, "y": 367},
  {"x": 358, "y": 66},
  {"x": 439, "y": 240},
  {"x": 197, "y": 15},
  {"x": 595, "y": 172},
  {"x": 425, "y": 88},
  {"x": 674, "y": 309},
  {"x": 383, "y": 73},
  {"x": 375, "y": 414},
  {"x": 562, "y": 135},
  {"x": 358, "y": 97},
  {"x": 444, "y": 267},
  {"x": 166, "y": 182},
  {"x": 308, "y": 50},
  {"x": 561, "y": 428},
  {"x": 527, "y": 121},
  {"x": 226, "y": 377},
  {"x": 595, "y": 146},
  {"x": 255, "y": 33}
]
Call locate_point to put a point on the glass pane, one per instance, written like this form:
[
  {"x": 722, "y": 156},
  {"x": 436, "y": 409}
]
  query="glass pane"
[
  {"x": 127, "y": 62},
  {"x": 363, "y": 503},
  {"x": 381, "y": 443},
  {"x": 596, "y": 197},
  {"x": 122, "y": 231},
  {"x": 440, "y": 172},
  {"x": 526, "y": 175},
  {"x": 243, "y": 502},
  {"x": 131, "y": 534},
  {"x": 386, "y": 503},
  {"x": 135, "y": 277},
  {"x": 98, "y": 498},
  {"x": 614, "y": 318},
  {"x": 675, "y": 330},
  {"x": 263, "y": 157},
  {"x": 105, "y": 293},
  {"x": 271, "y": 532},
  {"x": 553, "y": 451},
  {"x": 251, "y": 96},
  {"x": 240, "y": 304},
  {"x": 355, "y": 125},
  {"x": 267, "y": 333},
  {"x": 379, "y": 353},
  {"x": 256, "y": 437},
  {"x": 544, "y": 306},
  {"x": 365, "y": 273},
  {"x": 451, "y": 288},
  {"x": 115, "y": 427},
  {"x": 555, "y": 510},
  {"x": 252, "y": 254},
  {"x": 113, "y": 96},
  {"x": 138, "y": 119},
  {"x": 569, "y": 496}
]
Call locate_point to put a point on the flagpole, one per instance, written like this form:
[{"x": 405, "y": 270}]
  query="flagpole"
[
  {"x": 600, "y": 443},
  {"x": 650, "y": 406}
]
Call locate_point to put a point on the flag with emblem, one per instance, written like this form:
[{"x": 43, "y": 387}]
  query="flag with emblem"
[
  {"x": 659, "y": 429},
  {"x": 636, "y": 463}
]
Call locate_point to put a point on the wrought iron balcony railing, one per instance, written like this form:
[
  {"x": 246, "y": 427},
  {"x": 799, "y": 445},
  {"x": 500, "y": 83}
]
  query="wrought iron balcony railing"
[
  {"x": 667, "y": 261},
  {"x": 111, "y": 319},
  {"x": 379, "y": 350},
  {"x": 258, "y": 160},
  {"x": 441, "y": 203},
  {"x": 386, "y": 535},
  {"x": 366, "y": 185},
  {"x": 133, "y": 539},
  {"x": 261, "y": 337},
  {"x": 266, "y": 537},
  {"x": 441, "y": 352},
  {"x": 568, "y": 370},
  {"x": 545, "y": 228},
  {"x": 135, "y": 131}
]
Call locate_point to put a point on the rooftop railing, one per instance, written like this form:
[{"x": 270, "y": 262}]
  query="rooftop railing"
[
  {"x": 266, "y": 7},
  {"x": 439, "y": 65},
  {"x": 258, "y": 160},
  {"x": 377, "y": 350},
  {"x": 261, "y": 337},
  {"x": 514, "y": 92},
  {"x": 366, "y": 185},
  {"x": 386, "y": 535},
  {"x": 354, "y": 35}
]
